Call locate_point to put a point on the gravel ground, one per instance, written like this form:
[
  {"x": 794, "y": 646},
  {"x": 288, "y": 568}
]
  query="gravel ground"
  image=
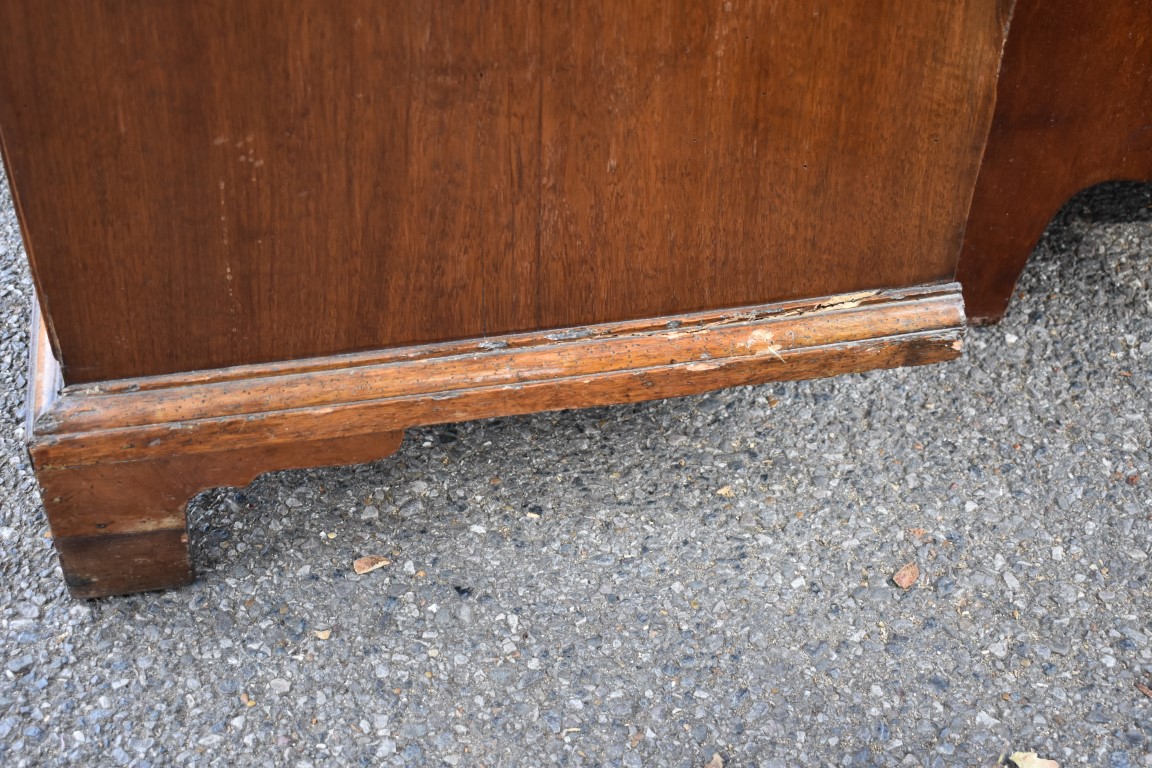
[{"x": 654, "y": 584}]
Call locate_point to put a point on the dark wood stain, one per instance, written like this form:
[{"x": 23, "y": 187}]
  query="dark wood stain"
[
  {"x": 211, "y": 184},
  {"x": 99, "y": 566}
]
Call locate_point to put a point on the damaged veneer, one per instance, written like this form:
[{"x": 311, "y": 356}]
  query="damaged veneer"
[{"x": 118, "y": 462}]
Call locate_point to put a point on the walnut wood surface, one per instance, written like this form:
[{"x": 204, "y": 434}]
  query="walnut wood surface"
[
  {"x": 450, "y": 368},
  {"x": 215, "y": 183},
  {"x": 118, "y": 462},
  {"x": 1074, "y": 108},
  {"x": 578, "y": 367}
]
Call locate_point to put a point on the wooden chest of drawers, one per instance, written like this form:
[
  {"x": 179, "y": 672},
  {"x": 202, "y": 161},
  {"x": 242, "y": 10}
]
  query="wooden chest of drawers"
[{"x": 273, "y": 234}]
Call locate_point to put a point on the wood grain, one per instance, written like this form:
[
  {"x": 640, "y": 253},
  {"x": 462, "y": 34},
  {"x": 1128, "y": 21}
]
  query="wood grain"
[
  {"x": 700, "y": 155},
  {"x": 100, "y": 566},
  {"x": 212, "y": 184},
  {"x": 578, "y": 367},
  {"x": 105, "y": 497},
  {"x": 117, "y": 463},
  {"x": 120, "y": 526},
  {"x": 454, "y": 367},
  {"x": 1074, "y": 108}
]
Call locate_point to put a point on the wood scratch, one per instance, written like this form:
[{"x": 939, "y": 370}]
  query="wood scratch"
[
  {"x": 762, "y": 342},
  {"x": 848, "y": 300}
]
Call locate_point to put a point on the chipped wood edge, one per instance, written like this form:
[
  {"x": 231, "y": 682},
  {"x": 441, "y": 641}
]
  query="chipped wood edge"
[
  {"x": 117, "y": 462},
  {"x": 44, "y": 380},
  {"x": 580, "y": 367},
  {"x": 512, "y": 341}
]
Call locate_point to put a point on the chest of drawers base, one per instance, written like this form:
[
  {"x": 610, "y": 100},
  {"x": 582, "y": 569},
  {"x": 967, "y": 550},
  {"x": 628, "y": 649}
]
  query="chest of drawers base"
[{"x": 118, "y": 461}]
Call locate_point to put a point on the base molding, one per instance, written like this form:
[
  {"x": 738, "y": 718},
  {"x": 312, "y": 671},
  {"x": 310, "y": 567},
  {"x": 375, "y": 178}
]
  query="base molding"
[{"x": 117, "y": 462}]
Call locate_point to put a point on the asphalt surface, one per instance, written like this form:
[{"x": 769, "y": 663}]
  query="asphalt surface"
[{"x": 656, "y": 584}]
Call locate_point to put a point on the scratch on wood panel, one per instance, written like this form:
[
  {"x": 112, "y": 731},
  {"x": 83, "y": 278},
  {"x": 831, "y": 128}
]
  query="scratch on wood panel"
[
  {"x": 746, "y": 317},
  {"x": 762, "y": 342},
  {"x": 730, "y": 320},
  {"x": 848, "y": 300},
  {"x": 581, "y": 333},
  {"x": 223, "y": 215},
  {"x": 233, "y": 301},
  {"x": 146, "y": 524}
]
